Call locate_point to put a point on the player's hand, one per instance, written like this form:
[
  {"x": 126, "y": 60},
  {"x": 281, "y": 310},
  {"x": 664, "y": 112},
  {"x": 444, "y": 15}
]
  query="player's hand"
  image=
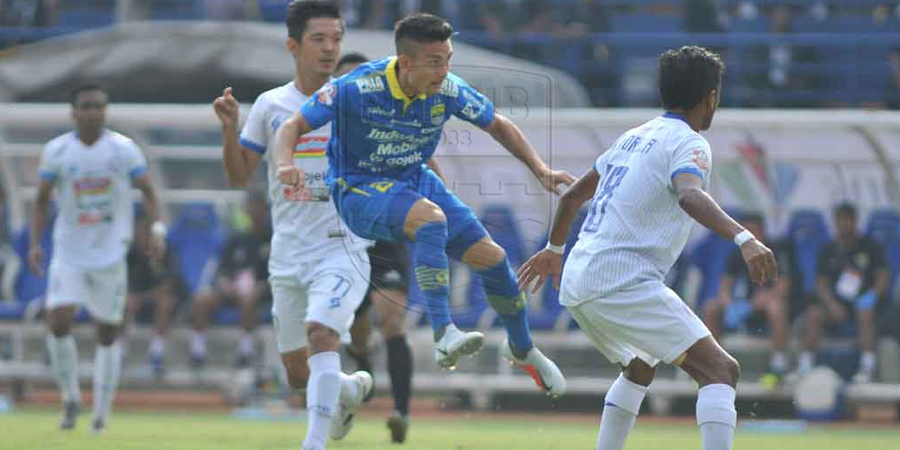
[
  {"x": 553, "y": 178},
  {"x": 157, "y": 249},
  {"x": 536, "y": 270},
  {"x": 36, "y": 260},
  {"x": 293, "y": 178},
  {"x": 227, "y": 109},
  {"x": 760, "y": 262}
]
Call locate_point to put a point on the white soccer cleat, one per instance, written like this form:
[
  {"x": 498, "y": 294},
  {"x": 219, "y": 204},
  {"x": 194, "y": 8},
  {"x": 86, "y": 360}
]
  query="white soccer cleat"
[
  {"x": 543, "y": 371},
  {"x": 342, "y": 421},
  {"x": 456, "y": 343}
]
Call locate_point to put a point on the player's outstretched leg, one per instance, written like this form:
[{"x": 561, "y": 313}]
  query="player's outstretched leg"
[
  {"x": 717, "y": 374},
  {"x": 107, "y": 369},
  {"x": 428, "y": 225},
  {"x": 622, "y": 404},
  {"x": 503, "y": 294},
  {"x": 64, "y": 363}
]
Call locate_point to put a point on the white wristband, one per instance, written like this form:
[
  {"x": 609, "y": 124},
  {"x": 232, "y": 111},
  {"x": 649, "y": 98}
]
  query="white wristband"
[
  {"x": 159, "y": 229},
  {"x": 742, "y": 237},
  {"x": 558, "y": 249}
]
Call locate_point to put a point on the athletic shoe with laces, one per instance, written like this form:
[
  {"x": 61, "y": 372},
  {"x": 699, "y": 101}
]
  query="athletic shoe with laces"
[
  {"x": 98, "y": 426},
  {"x": 454, "y": 344},
  {"x": 342, "y": 421},
  {"x": 69, "y": 415},
  {"x": 399, "y": 425},
  {"x": 544, "y": 372}
]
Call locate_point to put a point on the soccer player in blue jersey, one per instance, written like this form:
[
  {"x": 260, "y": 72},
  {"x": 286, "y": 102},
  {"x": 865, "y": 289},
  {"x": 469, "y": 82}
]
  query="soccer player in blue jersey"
[{"x": 386, "y": 118}]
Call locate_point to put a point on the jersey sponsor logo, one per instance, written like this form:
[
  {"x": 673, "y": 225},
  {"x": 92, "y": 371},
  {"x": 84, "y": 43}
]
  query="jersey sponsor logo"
[
  {"x": 276, "y": 122},
  {"x": 382, "y": 186},
  {"x": 326, "y": 94},
  {"x": 701, "y": 159},
  {"x": 379, "y": 111},
  {"x": 310, "y": 147},
  {"x": 390, "y": 149},
  {"x": 394, "y": 136},
  {"x": 437, "y": 114},
  {"x": 92, "y": 185},
  {"x": 406, "y": 160},
  {"x": 370, "y": 84},
  {"x": 470, "y": 112}
]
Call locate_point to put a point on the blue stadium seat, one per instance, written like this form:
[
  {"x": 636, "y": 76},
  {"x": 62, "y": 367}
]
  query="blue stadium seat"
[
  {"x": 177, "y": 10},
  {"x": 196, "y": 236},
  {"x": 884, "y": 226},
  {"x": 28, "y": 286},
  {"x": 710, "y": 256},
  {"x": 807, "y": 232},
  {"x": 273, "y": 10}
]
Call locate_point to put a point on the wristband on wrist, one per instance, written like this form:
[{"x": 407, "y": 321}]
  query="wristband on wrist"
[
  {"x": 742, "y": 237},
  {"x": 558, "y": 249},
  {"x": 159, "y": 229}
]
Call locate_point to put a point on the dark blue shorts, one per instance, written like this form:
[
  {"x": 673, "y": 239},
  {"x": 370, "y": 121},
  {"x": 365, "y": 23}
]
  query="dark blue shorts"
[{"x": 375, "y": 208}]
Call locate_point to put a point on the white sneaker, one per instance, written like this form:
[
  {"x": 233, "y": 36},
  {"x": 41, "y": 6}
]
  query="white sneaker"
[
  {"x": 543, "y": 371},
  {"x": 456, "y": 343},
  {"x": 342, "y": 421}
]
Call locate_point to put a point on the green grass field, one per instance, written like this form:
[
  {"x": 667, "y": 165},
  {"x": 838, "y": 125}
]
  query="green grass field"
[{"x": 36, "y": 429}]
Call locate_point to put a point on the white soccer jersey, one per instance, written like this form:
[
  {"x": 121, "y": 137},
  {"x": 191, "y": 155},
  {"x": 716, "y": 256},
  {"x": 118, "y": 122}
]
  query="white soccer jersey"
[
  {"x": 303, "y": 228},
  {"x": 635, "y": 229},
  {"x": 96, "y": 215}
]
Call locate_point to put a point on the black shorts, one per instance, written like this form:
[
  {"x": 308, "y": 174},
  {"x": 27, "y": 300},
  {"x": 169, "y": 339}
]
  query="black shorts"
[{"x": 390, "y": 270}]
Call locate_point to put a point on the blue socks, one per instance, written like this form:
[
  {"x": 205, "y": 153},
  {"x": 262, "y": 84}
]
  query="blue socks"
[
  {"x": 504, "y": 295},
  {"x": 433, "y": 277}
]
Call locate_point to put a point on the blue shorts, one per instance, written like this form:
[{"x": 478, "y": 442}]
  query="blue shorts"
[{"x": 375, "y": 208}]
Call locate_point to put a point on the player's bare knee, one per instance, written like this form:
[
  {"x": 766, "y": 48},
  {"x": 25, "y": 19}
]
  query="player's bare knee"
[
  {"x": 107, "y": 334},
  {"x": 423, "y": 212},
  {"x": 639, "y": 372},
  {"x": 484, "y": 255},
  {"x": 390, "y": 327},
  {"x": 728, "y": 370},
  {"x": 321, "y": 338}
]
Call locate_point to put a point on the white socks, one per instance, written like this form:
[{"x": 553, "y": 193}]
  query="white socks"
[
  {"x": 157, "y": 345},
  {"x": 64, "y": 364},
  {"x": 622, "y": 404},
  {"x": 107, "y": 367},
  {"x": 322, "y": 393},
  {"x": 805, "y": 362},
  {"x": 198, "y": 343},
  {"x": 778, "y": 362},
  {"x": 716, "y": 416}
]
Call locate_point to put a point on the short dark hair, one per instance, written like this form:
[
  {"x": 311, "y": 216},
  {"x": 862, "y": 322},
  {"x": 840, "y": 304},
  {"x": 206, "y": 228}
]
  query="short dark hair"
[
  {"x": 845, "y": 209},
  {"x": 351, "y": 58},
  {"x": 421, "y": 28},
  {"x": 299, "y": 13},
  {"x": 85, "y": 87},
  {"x": 687, "y": 75}
]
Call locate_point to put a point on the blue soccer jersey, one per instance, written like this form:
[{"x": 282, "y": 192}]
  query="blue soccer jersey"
[{"x": 377, "y": 131}]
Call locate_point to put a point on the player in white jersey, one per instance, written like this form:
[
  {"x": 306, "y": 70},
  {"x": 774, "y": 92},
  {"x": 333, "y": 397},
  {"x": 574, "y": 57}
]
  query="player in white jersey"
[
  {"x": 319, "y": 271},
  {"x": 645, "y": 190},
  {"x": 93, "y": 169}
]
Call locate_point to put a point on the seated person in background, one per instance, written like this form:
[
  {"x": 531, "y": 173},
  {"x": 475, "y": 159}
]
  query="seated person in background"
[
  {"x": 153, "y": 281},
  {"x": 241, "y": 279},
  {"x": 852, "y": 276},
  {"x": 743, "y": 304}
]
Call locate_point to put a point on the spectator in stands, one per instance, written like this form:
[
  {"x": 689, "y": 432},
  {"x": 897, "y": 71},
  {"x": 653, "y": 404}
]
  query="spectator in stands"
[
  {"x": 852, "y": 276},
  {"x": 241, "y": 279},
  {"x": 704, "y": 16},
  {"x": 779, "y": 70},
  {"x": 578, "y": 23},
  {"x": 514, "y": 18},
  {"x": 151, "y": 280},
  {"x": 27, "y": 13},
  {"x": 743, "y": 304},
  {"x": 365, "y": 13}
]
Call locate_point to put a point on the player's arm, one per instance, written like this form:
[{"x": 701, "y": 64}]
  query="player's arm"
[
  {"x": 154, "y": 215},
  {"x": 433, "y": 165},
  {"x": 548, "y": 262},
  {"x": 702, "y": 208},
  {"x": 514, "y": 141},
  {"x": 240, "y": 162},
  {"x": 38, "y": 222},
  {"x": 285, "y": 140}
]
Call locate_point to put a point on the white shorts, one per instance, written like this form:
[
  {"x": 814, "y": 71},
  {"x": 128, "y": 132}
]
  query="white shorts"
[
  {"x": 101, "y": 290},
  {"x": 653, "y": 325},
  {"x": 326, "y": 291}
]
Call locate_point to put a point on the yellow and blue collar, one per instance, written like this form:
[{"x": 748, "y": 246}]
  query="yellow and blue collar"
[{"x": 394, "y": 85}]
